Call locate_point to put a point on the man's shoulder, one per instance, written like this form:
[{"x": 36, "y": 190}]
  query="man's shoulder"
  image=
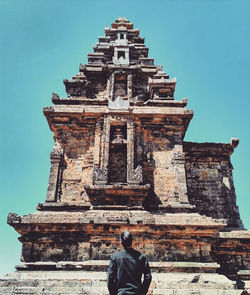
[
  {"x": 129, "y": 252},
  {"x": 141, "y": 256},
  {"x": 138, "y": 253},
  {"x": 118, "y": 254}
]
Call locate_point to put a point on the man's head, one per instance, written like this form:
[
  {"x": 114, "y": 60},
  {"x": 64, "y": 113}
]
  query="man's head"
[{"x": 126, "y": 239}]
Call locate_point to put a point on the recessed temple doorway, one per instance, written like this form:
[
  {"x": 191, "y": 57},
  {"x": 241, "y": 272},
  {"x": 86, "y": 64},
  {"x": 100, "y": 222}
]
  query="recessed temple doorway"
[{"x": 118, "y": 155}]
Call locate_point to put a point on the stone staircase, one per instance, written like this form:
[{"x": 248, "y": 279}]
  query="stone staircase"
[{"x": 94, "y": 283}]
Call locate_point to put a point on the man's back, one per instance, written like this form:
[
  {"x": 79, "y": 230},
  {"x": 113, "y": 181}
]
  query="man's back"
[{"x": 125, "y": 273}]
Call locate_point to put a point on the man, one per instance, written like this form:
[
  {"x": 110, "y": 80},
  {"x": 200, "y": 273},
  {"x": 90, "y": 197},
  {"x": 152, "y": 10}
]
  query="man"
[{"x": 126, "y": 268}]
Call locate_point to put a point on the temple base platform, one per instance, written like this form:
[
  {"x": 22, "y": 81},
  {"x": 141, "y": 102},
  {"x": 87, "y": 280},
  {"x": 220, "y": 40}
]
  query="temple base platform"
[{"x": 91, "y": 279}]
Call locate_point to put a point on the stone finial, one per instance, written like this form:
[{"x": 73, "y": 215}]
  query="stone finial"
[
  {"x": 122, "y": 19},
  {"x": 234, "y": 142},
  {"x": 122, "y": 22},
  {"x": 185, "y": 100},
  {"x": 82, "y": 67},
  {"x": 57, "y": 151},
  {"x": 54, "y": 96},
  {"x": 13, "y": 218}
]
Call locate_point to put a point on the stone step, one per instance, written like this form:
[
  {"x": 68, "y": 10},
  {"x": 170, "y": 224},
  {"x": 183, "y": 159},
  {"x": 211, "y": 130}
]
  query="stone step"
[
  {"x": 91, "y": 282},
  {"x": 244, "y": 274},
  {"x": 161, "y": 283},
  {"x": 6, "y": 290},
  {"x": 195, "y": 292},
  {"x": 184, "y": 280},
  {"x": 104, "y": 291},
  {"x": 102, "y": 265}
]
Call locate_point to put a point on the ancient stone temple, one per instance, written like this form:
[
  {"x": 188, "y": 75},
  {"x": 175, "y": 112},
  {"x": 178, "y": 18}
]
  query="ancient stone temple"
[{"x": 120, "y": 162}]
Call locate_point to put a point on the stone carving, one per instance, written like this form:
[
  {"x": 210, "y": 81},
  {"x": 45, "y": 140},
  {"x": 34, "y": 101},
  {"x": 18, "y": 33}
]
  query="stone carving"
[
  {"x": 57, "y": 151},
  {"x": 13, "y": 218},
  {"x": 100, "y": 176},
  {"x": 118, "y": 136},
  {"x": 55, "y": 96},
  {"x": 82, "y": 67},
  {"x": 121, "y": 55},
  {"x": 178, "y": 158},
  {"x": 234, "y": 142},
  {"x": 135, "y": 176},
  {"x": 119, "y": 103}
]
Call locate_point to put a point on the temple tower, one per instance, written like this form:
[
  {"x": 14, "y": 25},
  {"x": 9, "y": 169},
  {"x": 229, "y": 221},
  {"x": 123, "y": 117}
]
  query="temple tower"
[{"x": 120, "y": 162}]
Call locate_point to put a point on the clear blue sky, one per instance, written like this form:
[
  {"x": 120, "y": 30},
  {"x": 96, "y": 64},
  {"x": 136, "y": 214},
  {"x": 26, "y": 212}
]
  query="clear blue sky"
[{"x": 205, "y": 44}]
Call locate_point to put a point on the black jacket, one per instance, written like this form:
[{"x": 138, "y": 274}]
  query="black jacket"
[{"x": 125, "y": 273}]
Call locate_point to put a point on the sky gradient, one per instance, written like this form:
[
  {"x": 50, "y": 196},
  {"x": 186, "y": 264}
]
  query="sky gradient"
[{"x": 205, "y": 44}]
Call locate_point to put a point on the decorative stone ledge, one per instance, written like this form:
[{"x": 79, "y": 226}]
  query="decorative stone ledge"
[
  {"x": 123, "y": 196},
  {"x": 176, "y": 207},
  {"x": 63, "y": 206},
  {"x": 104, "y": 216},
  {"x": 102, "y": 265},
  {"x": 235, "y": 234}
]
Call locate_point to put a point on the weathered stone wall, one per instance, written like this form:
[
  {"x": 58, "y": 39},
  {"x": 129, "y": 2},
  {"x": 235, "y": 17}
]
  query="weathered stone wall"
[
  {"x": 99, "y": 241},
  {"x": 232, "y": 251},
  {"x": 159, "y": 147},
  {"x": 98, "y": 88},
  {"x": 94, "y": 234},
  {"x": 140, "y": 86},
  {"x": 77, "y": 164},
  {"x": 210, "y": 181}
]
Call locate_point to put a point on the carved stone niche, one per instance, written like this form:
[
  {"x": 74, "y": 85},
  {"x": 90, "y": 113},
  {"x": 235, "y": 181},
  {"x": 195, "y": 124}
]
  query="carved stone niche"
[
  {"x": 120, "y": 85},
  {"x": 114, "y": 160},
  {"x": 121, "y": 55}
]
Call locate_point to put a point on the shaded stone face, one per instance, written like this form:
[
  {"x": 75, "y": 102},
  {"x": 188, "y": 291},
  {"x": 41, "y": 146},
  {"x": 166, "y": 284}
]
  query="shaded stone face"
[
  {"x": 210, "y": 181},
  {"x": 120, "y": 162}
]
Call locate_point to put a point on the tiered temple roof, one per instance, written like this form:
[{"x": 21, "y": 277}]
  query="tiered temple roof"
[{"x": 121, "y": 54}]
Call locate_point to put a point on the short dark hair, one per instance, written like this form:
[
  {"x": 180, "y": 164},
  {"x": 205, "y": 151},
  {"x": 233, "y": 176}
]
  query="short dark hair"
[{"x": 126, "y": 239}]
